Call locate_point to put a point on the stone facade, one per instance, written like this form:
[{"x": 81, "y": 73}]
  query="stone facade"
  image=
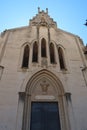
[{"x": 42, "y": 63}]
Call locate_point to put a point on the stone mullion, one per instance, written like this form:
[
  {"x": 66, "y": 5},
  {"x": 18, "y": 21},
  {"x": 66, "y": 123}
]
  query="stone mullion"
[
  {"x": 48, "y": 45},
  {"x": 38, "y": 43},
  {"x": 48, "y": 35}
]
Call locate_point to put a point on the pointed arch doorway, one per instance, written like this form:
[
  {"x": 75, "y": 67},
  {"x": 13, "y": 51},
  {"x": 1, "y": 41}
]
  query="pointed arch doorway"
[{"x": 44, "y": 103}]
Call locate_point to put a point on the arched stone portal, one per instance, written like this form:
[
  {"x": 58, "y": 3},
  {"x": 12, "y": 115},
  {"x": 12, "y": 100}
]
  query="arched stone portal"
[{"x": 44, "y": 87}]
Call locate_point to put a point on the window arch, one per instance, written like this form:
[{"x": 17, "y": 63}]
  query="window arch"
[
  {"x": 52, "y": 54},
  {"x": 61, "y": 58},
  {"x": 35, "y": 52},
  {"x": 43, "y": 47},
  {"x": 26, "y": 57}
]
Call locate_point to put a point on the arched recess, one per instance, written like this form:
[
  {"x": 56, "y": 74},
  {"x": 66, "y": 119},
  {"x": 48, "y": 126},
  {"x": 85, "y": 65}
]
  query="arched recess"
[
  {"x": 43, "y": 47},
  {"x": 47, "y": 74},
  {"x": 25, "y": 60},
  {"x": 61, "y": 58},
  {"x": 43, "y": 86},
  {"x": 52, "y": 53},
  {"x": 35, "y": 52}
]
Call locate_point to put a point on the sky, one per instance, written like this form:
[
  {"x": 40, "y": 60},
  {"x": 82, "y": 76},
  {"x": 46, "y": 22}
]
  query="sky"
[{"x": 70, "y": 15}]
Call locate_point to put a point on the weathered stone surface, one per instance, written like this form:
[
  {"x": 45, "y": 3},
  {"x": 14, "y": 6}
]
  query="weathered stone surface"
[{"x": 19, "y": 85}]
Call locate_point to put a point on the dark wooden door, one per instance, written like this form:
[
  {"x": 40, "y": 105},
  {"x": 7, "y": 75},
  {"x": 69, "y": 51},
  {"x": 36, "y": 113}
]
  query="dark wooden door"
[{"x": 44, "y": 116}]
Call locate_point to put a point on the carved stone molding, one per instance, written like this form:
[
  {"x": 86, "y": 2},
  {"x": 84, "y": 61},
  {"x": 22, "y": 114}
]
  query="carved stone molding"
[
  {"x": 22, "y": 95},
  {"x": 43, "y": 19},
  {"x": 68, "y": 96}
]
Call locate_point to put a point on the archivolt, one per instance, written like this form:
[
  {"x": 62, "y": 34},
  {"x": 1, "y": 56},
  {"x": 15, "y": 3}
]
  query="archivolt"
[{"x": 49, "y": 76}]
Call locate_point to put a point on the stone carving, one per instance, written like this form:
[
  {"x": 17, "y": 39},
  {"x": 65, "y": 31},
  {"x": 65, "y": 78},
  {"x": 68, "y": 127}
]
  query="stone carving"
[
  {"x": 44, "y": 62},
  {"x": 43, "y": 19},
  {"x": 44, "y": 86}
]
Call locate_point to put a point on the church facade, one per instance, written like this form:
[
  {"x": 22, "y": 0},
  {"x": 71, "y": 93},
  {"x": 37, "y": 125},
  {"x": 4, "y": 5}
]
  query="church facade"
[{"x": 43, "y": 77}]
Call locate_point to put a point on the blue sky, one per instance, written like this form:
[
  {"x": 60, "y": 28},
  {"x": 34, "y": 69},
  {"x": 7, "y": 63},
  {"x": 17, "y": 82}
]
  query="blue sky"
[{"x": 70, "y": 15}]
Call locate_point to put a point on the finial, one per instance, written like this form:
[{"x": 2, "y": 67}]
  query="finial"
[
  {"x": 47, "y": 10},
  {"x": 38, "y": 9}
]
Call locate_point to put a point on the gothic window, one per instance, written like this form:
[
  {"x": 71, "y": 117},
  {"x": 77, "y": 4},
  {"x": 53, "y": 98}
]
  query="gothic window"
[
  {"x": 43, "y": 47},
  {"x": 61, "y": 58},
  {"x": 35, "y": 53},
  {"x": 25, "y": 57},
  {"x": 52, "y": 55}
]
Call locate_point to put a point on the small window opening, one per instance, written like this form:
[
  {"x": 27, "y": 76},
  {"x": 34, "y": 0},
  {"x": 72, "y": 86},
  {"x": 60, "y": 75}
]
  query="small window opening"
[
  {"x": 35, "y": 53},
  {"x": 25, "y": 57},
  {"x": 61, "y": 58},
  {"x": 43, "y": 48},
  {"x": 52, "y": 55}
]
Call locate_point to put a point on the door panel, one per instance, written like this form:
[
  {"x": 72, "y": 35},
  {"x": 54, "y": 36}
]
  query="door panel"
[{"x": 44, "y": 116}]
